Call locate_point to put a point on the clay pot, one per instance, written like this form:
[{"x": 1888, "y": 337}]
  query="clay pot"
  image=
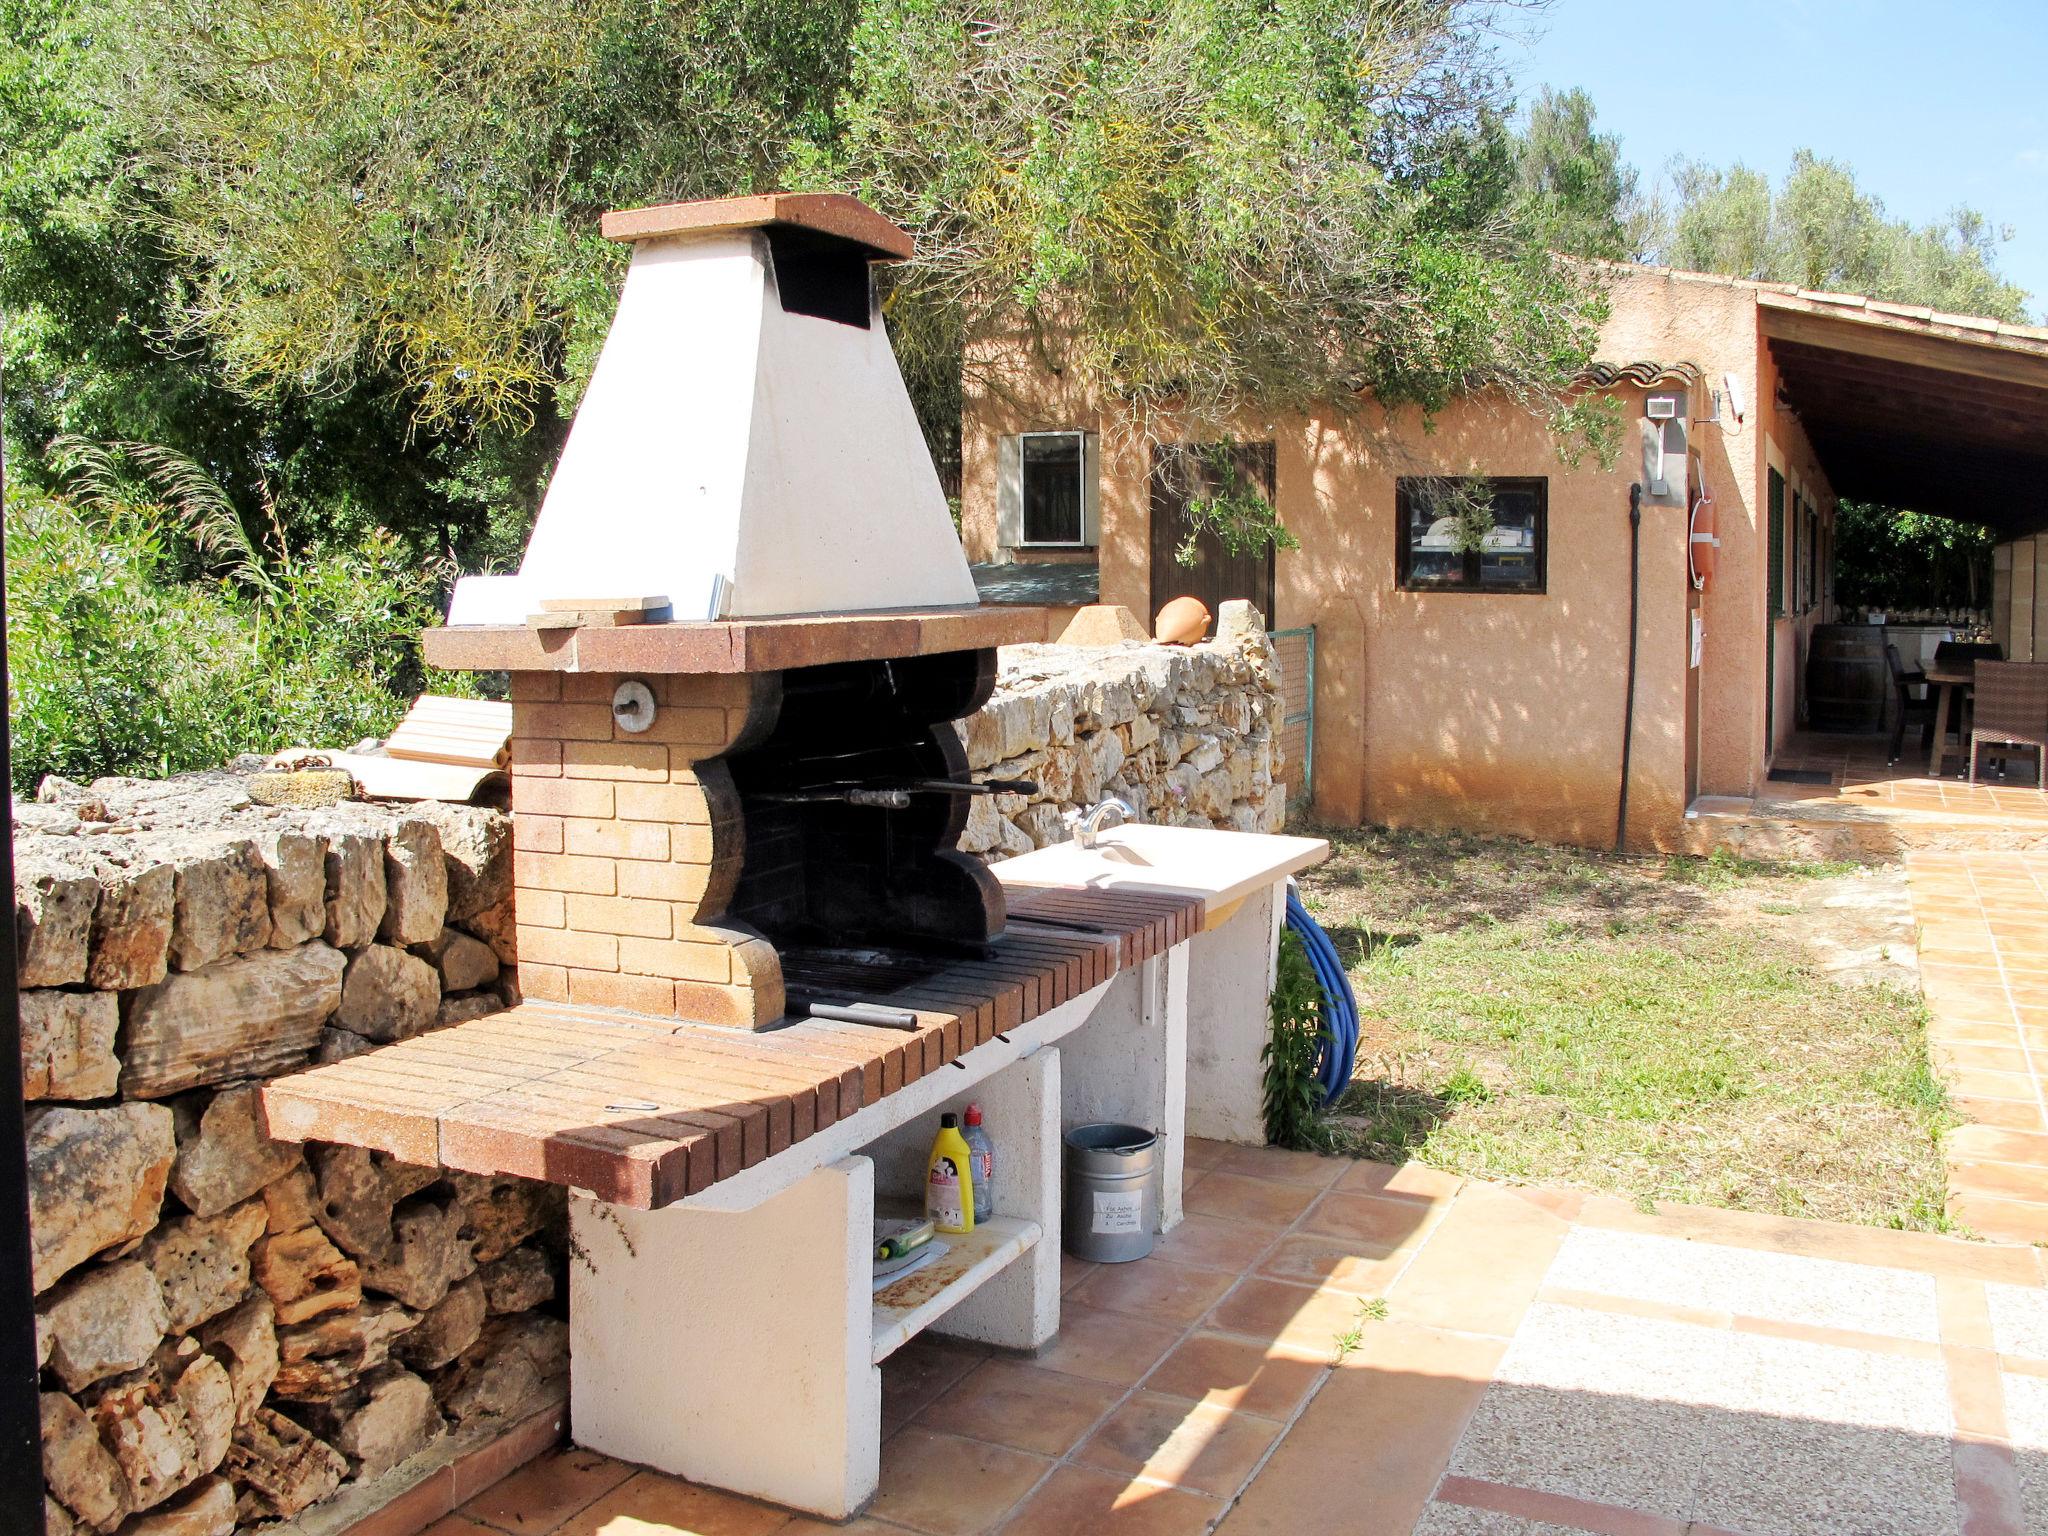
[{"x": 1181, "y": 622}]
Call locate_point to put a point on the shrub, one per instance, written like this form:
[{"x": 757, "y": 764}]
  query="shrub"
[
  {"x": 118, "y": 666},
  {"x": 1293, "y": 1095}
]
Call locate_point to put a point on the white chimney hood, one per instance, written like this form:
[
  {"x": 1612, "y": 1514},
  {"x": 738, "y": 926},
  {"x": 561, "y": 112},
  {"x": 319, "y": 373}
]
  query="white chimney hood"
[{"x": 746, "y": 447}]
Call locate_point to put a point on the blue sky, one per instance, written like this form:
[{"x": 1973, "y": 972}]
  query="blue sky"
[{"x": 1933, "y": 104}]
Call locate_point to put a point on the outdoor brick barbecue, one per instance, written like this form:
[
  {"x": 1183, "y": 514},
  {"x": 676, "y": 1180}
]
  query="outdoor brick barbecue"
[{"x": 738, "y": 645}]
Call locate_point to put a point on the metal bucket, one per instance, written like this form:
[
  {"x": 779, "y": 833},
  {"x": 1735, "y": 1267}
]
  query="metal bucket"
[{"x": 1110, "y": 1208}]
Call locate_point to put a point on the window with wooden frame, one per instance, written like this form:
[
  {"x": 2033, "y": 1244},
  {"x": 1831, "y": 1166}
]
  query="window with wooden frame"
[
  {"x": 1046, "y": 490},
  {"x": 1812, "y": 556},
  {"x": 1471, "y": 533}
]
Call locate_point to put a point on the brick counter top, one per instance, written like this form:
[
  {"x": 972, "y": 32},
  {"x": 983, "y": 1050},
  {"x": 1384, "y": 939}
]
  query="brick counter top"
[{"x": 643, "y": 1111}]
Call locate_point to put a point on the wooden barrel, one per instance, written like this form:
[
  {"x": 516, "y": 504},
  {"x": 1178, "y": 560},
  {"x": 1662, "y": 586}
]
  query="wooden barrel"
[{"x": 1846, "y": 680}]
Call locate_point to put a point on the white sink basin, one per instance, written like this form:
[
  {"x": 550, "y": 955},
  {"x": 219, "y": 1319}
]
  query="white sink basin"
[{"x": 1220, "y": 867}]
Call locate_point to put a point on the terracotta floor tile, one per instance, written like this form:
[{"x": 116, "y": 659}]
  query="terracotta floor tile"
[
  {"x": 1480, "y": 1268},
  {"x": 1237, "y": 1374},
  {"x": 1329, "y": 1262},
  {"x": 1200, "y": 1152},
  {"x": 1209, "y": 1450},
  {"x": 1274, "y": 1312},
  {"x": 949, "y": 1486},
  {"x": 1022, "y": 1406},
  {"x": 1073, "y": 1271},
  {"x": 649, "y": 1504},
  {"x": 1959, "y": 1032},
  {"x": 545, "y": 1492},
  {"x": 1283, "y": 1164},
  {"x": 458, "y": 1525},
  {"x": 1210, "y": 1242},
  {"x": 1970, "y": 1057},
  {"x": 1376, "y": 1226},
  {"x": 1364, "y": 1456},
  {"x": 1079, "y": 1501},
  {"x": 1257, "y": 1202},
  {"x": 1974, "y": 1084},
  {"x": 2007, "y": 1181},
  {"x": 1993, "y": 1144},
  {"x": 2009, "y": 1114},
  {"x": 1154, "y": 1289},
  {"x": 922, "y": 1369},
  {"x": 1105, "y": 1346},
  {"x": 1409, "y": 1181}
]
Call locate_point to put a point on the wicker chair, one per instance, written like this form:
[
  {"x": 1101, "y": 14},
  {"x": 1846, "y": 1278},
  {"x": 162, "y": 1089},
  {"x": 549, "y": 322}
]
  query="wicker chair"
[
  {"x": 1905, "y": 705},
  {"x": 2012, "y": 711}
]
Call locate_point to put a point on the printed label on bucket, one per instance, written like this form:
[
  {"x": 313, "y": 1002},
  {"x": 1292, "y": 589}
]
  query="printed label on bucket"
[{"x": 1115, "y": 1212}]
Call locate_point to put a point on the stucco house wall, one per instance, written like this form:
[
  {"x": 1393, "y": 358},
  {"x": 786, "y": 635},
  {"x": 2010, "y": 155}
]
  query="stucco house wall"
[{"x": 1492, "y": 711}]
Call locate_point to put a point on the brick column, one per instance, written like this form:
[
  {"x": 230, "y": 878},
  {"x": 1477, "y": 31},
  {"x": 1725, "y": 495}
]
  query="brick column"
[{"x": 628, "y": 845}]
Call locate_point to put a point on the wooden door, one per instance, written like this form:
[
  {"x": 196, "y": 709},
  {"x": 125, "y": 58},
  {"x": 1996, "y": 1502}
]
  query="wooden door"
[{"x": 1187, "y": 472}]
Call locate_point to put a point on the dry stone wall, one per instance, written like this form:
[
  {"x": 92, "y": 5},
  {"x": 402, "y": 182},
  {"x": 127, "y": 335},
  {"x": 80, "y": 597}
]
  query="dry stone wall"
[
  {"x": 231, "y": 1327},
  {"x": 1188, "y": 735}
]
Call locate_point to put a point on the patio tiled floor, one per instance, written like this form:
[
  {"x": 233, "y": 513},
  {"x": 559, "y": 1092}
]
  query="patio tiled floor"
[
  {"x": 1547, "y": 1363},
  {"x": 1983, "y": 920}
]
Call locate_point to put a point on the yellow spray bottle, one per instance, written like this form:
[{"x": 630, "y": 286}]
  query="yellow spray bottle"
[{"x": 949, "y": 1179}]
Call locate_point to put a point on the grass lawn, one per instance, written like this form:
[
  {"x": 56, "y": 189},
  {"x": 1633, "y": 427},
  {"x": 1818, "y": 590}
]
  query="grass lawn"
[{"x": 1659, "y": 1028}]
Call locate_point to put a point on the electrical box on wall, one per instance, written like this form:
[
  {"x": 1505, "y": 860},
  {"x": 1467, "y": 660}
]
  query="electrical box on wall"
[{"x": 1664, "y": 430}]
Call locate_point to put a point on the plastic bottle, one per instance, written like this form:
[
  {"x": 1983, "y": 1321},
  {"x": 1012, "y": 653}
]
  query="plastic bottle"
[
  {"x": 949, "y": 1179},
  {"x": 981, "y": 1154}
]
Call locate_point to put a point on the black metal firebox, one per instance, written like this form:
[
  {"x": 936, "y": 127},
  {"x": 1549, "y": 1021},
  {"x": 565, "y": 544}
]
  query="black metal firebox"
[{"x": 852, "y": 804}]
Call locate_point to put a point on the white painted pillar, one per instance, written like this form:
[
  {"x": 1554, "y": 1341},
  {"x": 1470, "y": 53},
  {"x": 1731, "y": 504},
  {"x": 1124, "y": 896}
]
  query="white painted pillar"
[
  {"x": 1128, "y": 1064},
  {"x": 1229, "y": 1018},
  {"x": 734, "y": 1347}
]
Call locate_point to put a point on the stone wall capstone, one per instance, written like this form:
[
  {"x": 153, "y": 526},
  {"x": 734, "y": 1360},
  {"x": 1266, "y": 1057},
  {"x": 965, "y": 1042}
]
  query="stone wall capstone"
[
  {"x": 230, "y": 1327},
  {"x": 1188, "y": 735}
]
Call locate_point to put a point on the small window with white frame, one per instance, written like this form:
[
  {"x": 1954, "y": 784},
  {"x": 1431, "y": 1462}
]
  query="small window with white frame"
[{"x": 1048, "y": 494}]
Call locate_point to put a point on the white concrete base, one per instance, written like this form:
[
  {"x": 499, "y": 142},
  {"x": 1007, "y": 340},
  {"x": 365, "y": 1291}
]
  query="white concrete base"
[
  {"x": 1128, "y": 1063},
  {"x": 1229, "y": 1020},
  {"x": 733, "y": 1348}
]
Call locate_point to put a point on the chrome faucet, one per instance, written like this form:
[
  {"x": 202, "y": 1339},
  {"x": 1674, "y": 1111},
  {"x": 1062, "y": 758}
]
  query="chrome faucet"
[{"x": 1088, "y": 824}]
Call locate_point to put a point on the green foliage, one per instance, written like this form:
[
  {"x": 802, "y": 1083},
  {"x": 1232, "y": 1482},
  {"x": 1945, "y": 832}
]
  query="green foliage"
[
  {"x": 1240, "y": 516},
  {"x": 1293, "y": 1097},
  {"x": 1467, "y": 500},
  {"x": 1578, "y": 193},
  {"x": 120, "y": 666},
  {"x": 1818, "y": 229},
  {"x": 1204, "y": 205},
  {"x": 1907, "y": 561}
]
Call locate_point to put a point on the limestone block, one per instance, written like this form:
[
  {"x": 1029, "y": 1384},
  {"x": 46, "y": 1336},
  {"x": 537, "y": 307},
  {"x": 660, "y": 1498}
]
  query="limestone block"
[
  {"x": 448, "y": 1329},
  {"x": 202, "y": 1262},
  {"x": 476, "y": 842},
  {"x": 224, "y": 1155},
  {"x": 53, "y": 907},
  {"x": 1141, "y": 732},
  {"x": 131, "y": 926},
  {"x": 289, "y": 1202},
  {"x": 280, "y": 1467},
  {"x": 388, "y": 994},
  {"x": 497, "y": 926},
  {"x": 320, "y": 1360},
  {"x": 499, "y": 1213},
  {"x": 295, "y": 878},
  {"x": 389, "y": 1416},
  {"x": 57, "y": 1520},
  {"x": 431, "y": 1253},
  {"x": 222, "y": 902},
  {"x": 355, "y": 886},
  {"x": 416, "y": 884},
  {"x": 67, "y": 1044},
  {"x": 244, "y": 1340},
  {"x": 984, "y": 825},
  {"x": 207, "y": 1508},
  {"x": 355, "y": 1204},
  {"x": 516, "y": 1366},
  {"x": 304, "y": 1275},
  {"x": 144, "y": 1426},
  {"x": 518, "y": 1282},
  {"x": 468, "y": 1005},
  {"x": 1102, "y": 624},
  {"x": 96, "y": 1179},
  {"x": 102, "y": 1321},
  {"x": 465, "y": 963},
  {"x": 252, "y": 1016},
  {"x": 205, "y": 1397},
  {"x": 1043, "y": 824},
  {"x": 1016, "y": 839},
  {"x": 340, "y": 1045},
  {"x": 77, "y": 1466}
]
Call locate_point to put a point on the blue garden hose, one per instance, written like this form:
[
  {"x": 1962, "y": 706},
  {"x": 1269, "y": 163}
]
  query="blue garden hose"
[{"x": 1340, "y": 1008}]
